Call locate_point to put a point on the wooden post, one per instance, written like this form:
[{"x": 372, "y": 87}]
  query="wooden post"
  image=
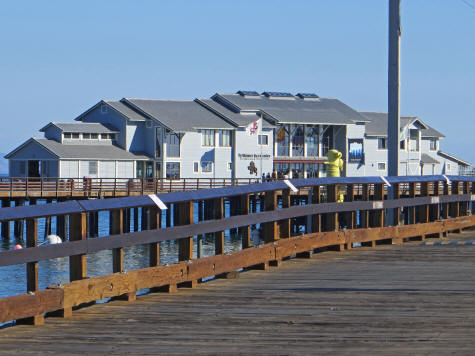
[
  {"x": 245, "y": 230},
  {"x": 77, "y": 231},
  {"x": 350, "y": 216},
  {"x": 364, "y": 214},
  {"x": 116, "y": 228},
  {"x": 218, "y": 210},
  {"x": 155, "y": 223},
  {"x": 455, "y": 207},
  {"x": 412, "y": 210},
  {"x": 378, "y": 215},
  {"x": 332, "y": 218},
  {"x": 185, "y": 245},
  {"x": 32, "y": 270},
  {"x": 424, "y": 209},
  {"x": 466, "y": 204},
  {"x": 284, "y": 225},
  {"x": 316, "y": 218},
  {"x": 270, "y": 228},
  {"x": 136, "y": 219}
]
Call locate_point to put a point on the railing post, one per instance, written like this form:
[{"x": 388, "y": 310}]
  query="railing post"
[
  {"x": 364, "y": 214},
  {"x": 116, "y": 228},
  {"x": 424, "y": 209},
  {"x": 412, "y": 209},
  {"x": 245, "y": 230},
  {"x": 32, "y": 270},
  {"x": 332, "y": 218},
  {"x": 155, "y": 223},
  {"x": 378, "y": 215},
  {"x": 77, "y": 231},
  {"x": 455, "y": 207},
  {"x": 271, "y": 229},
  {"x": 218, "y": 214},
  {"x": 285, "y": 225},
  {"x": 466, "y": 204},
  {"x": 185, "y": 245},
  {"x": 316, "y": 218}
]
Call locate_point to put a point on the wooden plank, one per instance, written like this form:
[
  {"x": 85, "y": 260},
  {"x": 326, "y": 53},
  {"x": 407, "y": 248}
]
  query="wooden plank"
[
  {"x": 185, "y": 245},
  {"x": 77, "y": 232}
]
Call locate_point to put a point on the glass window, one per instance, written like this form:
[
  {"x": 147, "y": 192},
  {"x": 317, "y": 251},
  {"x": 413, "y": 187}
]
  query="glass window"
[
  {"x": 158, "y": 169},
  {"x": 224, "y": 138},
  {"x": 327, "y": 139},
  {"x": 75, "y": 136},
  {"x": 139, "y": 169},
  {"x": 297, "y": 170},
  {"x": 207, "y": 138},
  {"x": 312, "y": 134},
  {"x": 381, "y": 166},
  {"x": 282, "y": 169},
  {"x": 263, "y": 140},
  {"x": 94, "y": 136},
  {"x": 402, "y": 145},
  {"x": 195, "y": 167},
  {"x": 382, "y": 143},
  {"x": 433, "y": 144},
  {"x": 297, "y": 141},
  {"x": 67, "y": 135},
  {"x": 312, "y": 170},
  {"x": 158, "y": 142},
  {"x": 86, "y": 136},
  {"x": 149, "y": 169},
  {"x": 414, "y": 141},
  {"x": 230, "y": 166},
  {"x": 173, "y": 170},
  {"x": 206, "y": 167},
  {"x": 92, "y": 167},
  {"x": 173, "y": 144},
  {"x": 282, "y": 138}
]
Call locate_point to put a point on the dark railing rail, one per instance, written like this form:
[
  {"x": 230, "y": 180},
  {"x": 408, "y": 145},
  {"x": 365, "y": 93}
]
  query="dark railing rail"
[{"x": 424, "y": 206}]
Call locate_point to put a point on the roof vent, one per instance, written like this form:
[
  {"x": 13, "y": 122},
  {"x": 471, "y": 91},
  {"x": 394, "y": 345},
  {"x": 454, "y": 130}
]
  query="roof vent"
[
  {"x": 277, "y": 94},
  {"x": 307, "y": 96},
  {"x": 247, "y": 93}
]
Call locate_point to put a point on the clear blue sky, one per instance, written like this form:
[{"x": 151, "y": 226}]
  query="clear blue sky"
[{"x": 58, "y": 58}]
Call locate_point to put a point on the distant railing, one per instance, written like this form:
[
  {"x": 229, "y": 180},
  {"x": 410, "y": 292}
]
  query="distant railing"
[
  {"x": 332, "y": 216},
  {"x": 18, "y": 186}
]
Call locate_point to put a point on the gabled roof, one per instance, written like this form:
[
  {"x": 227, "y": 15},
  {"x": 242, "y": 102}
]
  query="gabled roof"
[
  {"x": 86, "y": 127},
  {"x": 425, "y": 158},
  {"x": 378, "y": 125},
  {"x": 125, "y": 111},
  {"x": 83, "y": 151},
  {"x": 236, "y": 119},
  {"x": 453, "y": 158},
  {"x": 178, "y": 115},
  {"x": 293, "y": 109}
]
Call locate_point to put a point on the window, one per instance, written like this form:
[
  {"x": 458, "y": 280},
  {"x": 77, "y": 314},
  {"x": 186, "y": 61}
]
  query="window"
[
  {"x": 139, "y": 169},
  {"x": 224, "y": 138},
  {"x": 312, "y": 170},
  {"x": 75, "y": 136},
  {"x": 67, "y": 135},
  {"x": 312, "y": 134},
  {"x": 263, "y": 140},
  {"x": 104, "y": 109},
  {"x": 402, "y": 145},
  {"x": 173, "y": 144},
  {"x": 22, "y": 166},
  {"x": 414, "y": 141},
  {"x": 94, "y": 136},
  {"x": 230, "y": 166},
  {"x": 382, "y": 143},
  {"x": 381, "y": 166},
  {"x": 449, "y": 167},
  {"x": 173, "y": 170},
  {"x": 327, "y": 139},
  {"x": 297, "y": 141},
  {"x": 433, "y": 144},
  {"x": 86, "y": 136},
  {"x": 195, "y": 167},
  {"x": 207, "y": 138},
  {"x": 206, "y": 167},
  {"x": 158, "y": 142},
  {"x": 92, "y": 167},
  {"x": 281, "y": 135}
]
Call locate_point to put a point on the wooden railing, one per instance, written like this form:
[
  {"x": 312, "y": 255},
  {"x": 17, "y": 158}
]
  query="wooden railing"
[
  {"x": 429, "y": 207},
  {"x": 56, "y": 187}
]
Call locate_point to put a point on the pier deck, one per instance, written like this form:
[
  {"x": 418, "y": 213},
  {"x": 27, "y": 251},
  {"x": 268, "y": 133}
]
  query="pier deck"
[{"x": 392, "y": 299}]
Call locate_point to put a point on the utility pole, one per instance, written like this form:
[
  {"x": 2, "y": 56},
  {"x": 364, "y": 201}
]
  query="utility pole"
[
  {"x": 393, "y": 97},
  {"x": 394, "y": 86}
]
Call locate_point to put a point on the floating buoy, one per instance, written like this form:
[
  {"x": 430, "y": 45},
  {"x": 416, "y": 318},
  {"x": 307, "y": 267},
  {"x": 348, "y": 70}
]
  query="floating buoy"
[
  {"x": 53, "y": 240},
  {"x": 17, "y": 247}
]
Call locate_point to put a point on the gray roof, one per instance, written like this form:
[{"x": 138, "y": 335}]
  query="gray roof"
[
  {"x": 378, "y": 124},
  {"x": 453, "y": 158},
  {"x": 87, "y": 127},
  {"x": 237, "y": 119},
  {"x": 72, "y": 151},
  {"x": 425, "y": 158},
  {"x": 294, "y": 109},
  {"x": 178, "y": 115},
  {"x": 125, "y": 110}
]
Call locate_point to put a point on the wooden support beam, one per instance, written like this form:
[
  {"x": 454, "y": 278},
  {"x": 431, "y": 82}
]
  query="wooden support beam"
[
  {"x": 77, "y": 231},
  {"x": 317, "y": 218},
  {"x": 270, "y": 229},
  {"x": 218, "y": 214},
  {"x": 185, "y": 217},
  {"x": 377, "y": 216},
  {"x": 245, "y": 230},
  {"x": 284, "y": 225},
  {"x": 116, "y": 228},
  {"x": 154, "y": 224},
  {"x": 332, "y": 218},
  {"x": 364, "y": 217},
  {"x": 412, "y": 210}
]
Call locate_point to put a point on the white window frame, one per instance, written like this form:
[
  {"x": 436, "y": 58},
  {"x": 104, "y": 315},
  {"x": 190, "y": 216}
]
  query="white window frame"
[
  {"x": 259, "y": 140},
  {"x": 210, "y": 133},
  {"x": 204, "y": 171},
  {"x": 92, "y": 163},
  {"x": 221, "y": 136},
  {"x": 381, "y": 169}
]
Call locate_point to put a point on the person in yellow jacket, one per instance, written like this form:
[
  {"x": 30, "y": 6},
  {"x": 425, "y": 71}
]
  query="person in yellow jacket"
[{"x": 334, "y": 166}]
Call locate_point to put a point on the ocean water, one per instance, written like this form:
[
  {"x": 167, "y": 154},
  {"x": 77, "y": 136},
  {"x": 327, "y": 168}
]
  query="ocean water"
[{"x": 56, "y": 271}]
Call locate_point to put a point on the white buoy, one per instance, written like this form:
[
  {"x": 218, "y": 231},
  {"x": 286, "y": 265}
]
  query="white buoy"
[{"x": 53, "y": 240}]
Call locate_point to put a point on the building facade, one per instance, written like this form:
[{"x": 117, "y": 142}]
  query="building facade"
[{"x": 241, "y": 135}]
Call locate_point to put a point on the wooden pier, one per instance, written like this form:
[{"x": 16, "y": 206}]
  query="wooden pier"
[
  {"x": 390, "y": 300},
  {"x": 290, "y": 229}
]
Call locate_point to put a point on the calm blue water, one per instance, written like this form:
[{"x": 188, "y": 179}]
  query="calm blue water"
[{"x": 52, "y": 272}]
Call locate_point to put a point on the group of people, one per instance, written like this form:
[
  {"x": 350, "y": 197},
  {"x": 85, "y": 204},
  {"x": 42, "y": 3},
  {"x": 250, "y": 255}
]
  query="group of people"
[{"x": 270, "y": 177}]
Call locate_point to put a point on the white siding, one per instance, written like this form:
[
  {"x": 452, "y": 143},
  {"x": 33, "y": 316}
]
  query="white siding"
[
  {"x": 125, "y": 169},
  {"x": 69, "y": 169},
  {"x": 107, "y": 169}
]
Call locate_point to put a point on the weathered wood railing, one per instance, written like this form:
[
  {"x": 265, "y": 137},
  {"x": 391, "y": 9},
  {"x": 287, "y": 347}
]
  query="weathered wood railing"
[
  {"x": 97, "y": 187},
  {"x": 425, "y": 206}
]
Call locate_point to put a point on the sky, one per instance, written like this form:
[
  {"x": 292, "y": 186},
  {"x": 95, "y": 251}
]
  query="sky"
[{"x": 58, "y": 58}]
